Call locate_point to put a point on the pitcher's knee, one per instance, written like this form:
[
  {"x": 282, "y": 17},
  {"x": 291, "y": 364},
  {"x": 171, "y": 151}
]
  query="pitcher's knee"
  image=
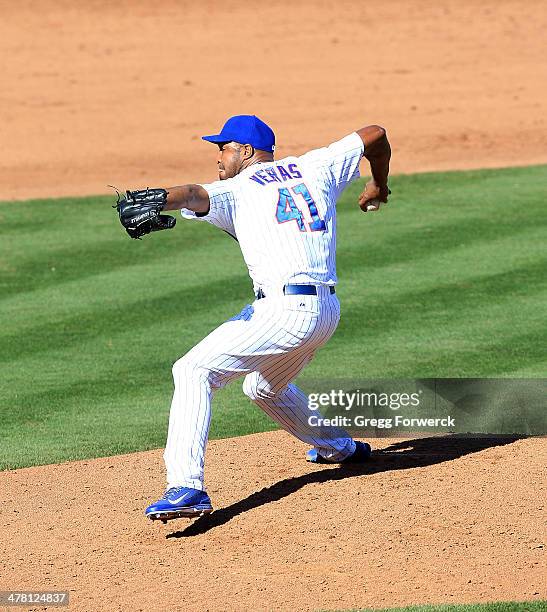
[
  {"x": 256, "y": 388},
  {"x": 188, "y": 369}
]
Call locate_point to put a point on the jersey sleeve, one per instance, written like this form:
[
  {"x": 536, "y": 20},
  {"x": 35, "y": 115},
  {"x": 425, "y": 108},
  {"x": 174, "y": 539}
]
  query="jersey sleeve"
[
  {"x": 222, "y": 199},
  {"x": 340, "y": 159}
]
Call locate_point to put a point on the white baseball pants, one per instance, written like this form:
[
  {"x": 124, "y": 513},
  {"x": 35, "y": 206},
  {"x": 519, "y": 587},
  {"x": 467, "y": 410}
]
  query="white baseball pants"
[{"x": 269, "y": 342}]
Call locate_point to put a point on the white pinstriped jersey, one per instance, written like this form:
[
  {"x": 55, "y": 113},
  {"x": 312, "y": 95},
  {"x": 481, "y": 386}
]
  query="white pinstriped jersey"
[{"x": 283, "y": 213}]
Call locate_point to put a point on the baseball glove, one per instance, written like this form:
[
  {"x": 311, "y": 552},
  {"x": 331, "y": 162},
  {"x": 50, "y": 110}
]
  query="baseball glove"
[{"x": 139, "y": 212}]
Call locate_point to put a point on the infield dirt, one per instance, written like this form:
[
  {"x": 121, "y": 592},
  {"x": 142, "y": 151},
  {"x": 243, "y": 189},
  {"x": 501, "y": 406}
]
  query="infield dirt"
[
  {"x": 426, "y": 521},
  {"x": 97, "y": 93}
]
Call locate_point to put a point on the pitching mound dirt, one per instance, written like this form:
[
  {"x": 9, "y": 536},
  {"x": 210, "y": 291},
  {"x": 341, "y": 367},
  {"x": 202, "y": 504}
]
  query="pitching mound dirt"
[
  {"x": 426, "y": 521},
  {"x": 98, "y": 93}
]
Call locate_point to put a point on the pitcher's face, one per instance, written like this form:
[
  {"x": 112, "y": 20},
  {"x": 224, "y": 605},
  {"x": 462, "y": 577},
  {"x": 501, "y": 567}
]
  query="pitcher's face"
[{"x": 229, "y": 160}]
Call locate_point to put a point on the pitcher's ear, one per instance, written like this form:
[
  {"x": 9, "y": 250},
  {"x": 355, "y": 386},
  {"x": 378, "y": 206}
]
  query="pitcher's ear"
[{"x": 248, "y": 151}]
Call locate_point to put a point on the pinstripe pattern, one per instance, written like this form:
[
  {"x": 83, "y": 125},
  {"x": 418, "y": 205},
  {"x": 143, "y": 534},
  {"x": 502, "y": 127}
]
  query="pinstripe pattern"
[{"x": 274, "y": 338}]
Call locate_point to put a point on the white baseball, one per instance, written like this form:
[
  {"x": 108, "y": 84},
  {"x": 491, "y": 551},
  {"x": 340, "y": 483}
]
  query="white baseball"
[{"x": 373, "y": 204}]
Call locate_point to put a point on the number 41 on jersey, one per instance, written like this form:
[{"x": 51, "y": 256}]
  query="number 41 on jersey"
[{"x": 287, "y": 210}]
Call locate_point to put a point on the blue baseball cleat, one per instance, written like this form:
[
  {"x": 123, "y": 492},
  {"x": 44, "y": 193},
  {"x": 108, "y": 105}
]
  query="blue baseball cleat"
[
  {"x": 180, "y": 502},
  {"x": 360, "y": 455}
]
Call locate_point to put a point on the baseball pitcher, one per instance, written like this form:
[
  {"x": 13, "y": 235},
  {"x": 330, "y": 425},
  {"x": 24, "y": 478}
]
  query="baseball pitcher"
[{"x": 283, "y": 214}]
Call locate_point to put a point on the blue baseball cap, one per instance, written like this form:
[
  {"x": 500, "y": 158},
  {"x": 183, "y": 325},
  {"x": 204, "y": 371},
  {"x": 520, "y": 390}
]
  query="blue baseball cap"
[{"x": 246, "y": 129}]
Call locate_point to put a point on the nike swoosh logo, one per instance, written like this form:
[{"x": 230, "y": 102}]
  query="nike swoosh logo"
[{"x": 178, "y": 500}]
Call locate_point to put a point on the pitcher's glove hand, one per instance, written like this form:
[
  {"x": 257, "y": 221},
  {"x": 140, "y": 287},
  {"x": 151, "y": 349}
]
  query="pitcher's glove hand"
[{"x": 139, "y": 212}]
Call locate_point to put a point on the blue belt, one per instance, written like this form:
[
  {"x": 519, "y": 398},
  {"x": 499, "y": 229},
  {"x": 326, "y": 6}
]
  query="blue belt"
[{"x": 296, "y": 290}]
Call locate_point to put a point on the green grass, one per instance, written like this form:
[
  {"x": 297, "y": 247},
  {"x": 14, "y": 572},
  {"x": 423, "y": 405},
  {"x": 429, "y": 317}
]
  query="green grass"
[
  {"x": 505, "y": 606},
  {"x": 447, "y": 281}
]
